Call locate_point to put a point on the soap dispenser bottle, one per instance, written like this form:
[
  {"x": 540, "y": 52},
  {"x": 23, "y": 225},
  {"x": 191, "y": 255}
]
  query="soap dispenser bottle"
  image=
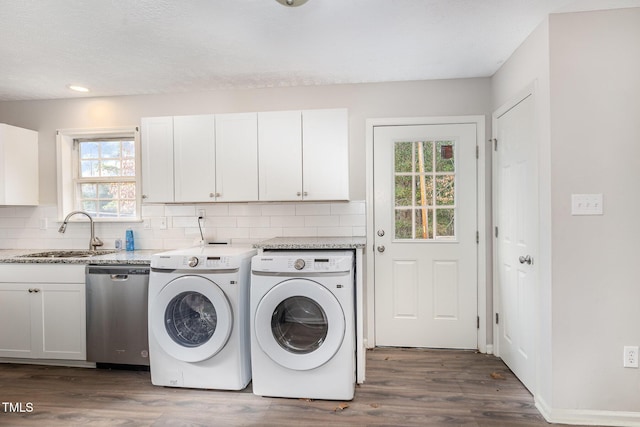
[{"x": 129, "y": 240}]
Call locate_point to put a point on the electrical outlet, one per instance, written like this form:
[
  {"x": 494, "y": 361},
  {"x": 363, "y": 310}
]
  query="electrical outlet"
[
  {"x": 630, "y": 356},
  {"x": 202, "y": 212}
]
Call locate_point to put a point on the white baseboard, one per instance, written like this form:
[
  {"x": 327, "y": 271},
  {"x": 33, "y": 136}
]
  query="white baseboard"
[{"x": 587, "y": 417}]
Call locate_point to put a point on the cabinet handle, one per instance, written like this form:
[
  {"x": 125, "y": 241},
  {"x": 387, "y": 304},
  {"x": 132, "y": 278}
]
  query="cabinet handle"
[
  {"x": 218, "y": 195},
  {"x": 212, "y": 195},
  {"x": 34, "y": 290},
  {"x": 30, "y": 290},
  {"x": 298, "y": 194},
  {"x": 144, "y": 196},
  {"x": 304, "y": 193}
]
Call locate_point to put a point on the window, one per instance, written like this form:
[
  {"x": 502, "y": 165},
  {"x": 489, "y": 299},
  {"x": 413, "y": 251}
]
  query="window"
[
  {"x": 98, "y": 172},
  {"x": 425, "y": 177},
  {"x": 106, "y": 179}
]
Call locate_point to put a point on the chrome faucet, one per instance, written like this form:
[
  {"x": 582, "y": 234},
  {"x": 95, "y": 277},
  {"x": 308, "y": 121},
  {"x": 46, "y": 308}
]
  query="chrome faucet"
[{"x": 95, "y": 241}]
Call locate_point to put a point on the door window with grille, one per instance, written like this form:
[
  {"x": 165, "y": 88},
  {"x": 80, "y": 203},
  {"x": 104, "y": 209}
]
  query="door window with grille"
[{"x": 424, "y": 190}]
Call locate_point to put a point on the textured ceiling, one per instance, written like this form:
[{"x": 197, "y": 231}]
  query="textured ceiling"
[{"x": 127, "y": 47}]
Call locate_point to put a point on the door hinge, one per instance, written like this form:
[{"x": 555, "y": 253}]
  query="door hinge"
[
  {"x": 478, "y": 322},
  {"x": 496, "y": 232},
  {"x": 495, "y": 144},
  {"x": 497, "y": 318},
  {"x": 477, "y": 237}
]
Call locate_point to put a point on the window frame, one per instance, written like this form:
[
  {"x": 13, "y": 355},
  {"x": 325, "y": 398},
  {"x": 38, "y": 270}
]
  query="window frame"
[{"x": 68, "y": 168}]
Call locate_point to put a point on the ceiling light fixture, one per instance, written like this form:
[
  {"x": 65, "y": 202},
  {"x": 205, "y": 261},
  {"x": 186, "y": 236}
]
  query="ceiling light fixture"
[
  {"x": 78, "y": 88},
  {"x": 292, "y": 3}
]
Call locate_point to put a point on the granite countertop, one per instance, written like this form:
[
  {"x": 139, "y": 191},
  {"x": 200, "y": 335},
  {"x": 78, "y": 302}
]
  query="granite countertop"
[
  {"x": 312, "y": 243},
  {"x": 138, "y": 257}
]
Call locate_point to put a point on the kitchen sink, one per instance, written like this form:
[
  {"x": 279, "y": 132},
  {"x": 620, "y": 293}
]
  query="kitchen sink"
[{"x": 72, "y": 253}]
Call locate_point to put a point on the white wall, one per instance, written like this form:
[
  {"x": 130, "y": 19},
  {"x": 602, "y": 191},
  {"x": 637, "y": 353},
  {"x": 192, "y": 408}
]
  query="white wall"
[
  {"x": 595, "y": 141},
  {"x": 20, "y": 227},
  {"x": 587, "y": 70}
]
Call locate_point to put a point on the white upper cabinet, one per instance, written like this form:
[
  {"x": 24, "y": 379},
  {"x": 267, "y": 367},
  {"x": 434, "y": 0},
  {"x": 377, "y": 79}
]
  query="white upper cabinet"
[
  {"x": 18, "y": 166},
  {"x": 245, "y": 157},
  {"x": 325, "y": 154},
  {"x": 280, "y": 155},
  {"x": 157, "y": 159},
  {"x": 194, "y": 147},
  {"x": 237, "y": 157},
  {"x": 304, "y": 155}
]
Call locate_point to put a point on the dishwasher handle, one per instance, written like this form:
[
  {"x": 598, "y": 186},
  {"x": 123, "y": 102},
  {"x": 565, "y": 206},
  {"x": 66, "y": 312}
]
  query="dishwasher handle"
[{"x": 119, "y": 277}]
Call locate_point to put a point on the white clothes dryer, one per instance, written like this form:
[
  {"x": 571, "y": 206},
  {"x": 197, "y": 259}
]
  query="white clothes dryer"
[
  {"x": 199, "y": 335},
  {"x": 303, "y": 324}
]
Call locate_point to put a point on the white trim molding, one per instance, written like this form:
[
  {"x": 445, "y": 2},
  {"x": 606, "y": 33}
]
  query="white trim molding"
[{"x": 479, "y": 121}]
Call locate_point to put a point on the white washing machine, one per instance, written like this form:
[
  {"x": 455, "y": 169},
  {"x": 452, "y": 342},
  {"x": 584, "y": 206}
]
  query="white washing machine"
[
  {"x": 199, "y": 335},
  {"x": 303, "y": 324}
]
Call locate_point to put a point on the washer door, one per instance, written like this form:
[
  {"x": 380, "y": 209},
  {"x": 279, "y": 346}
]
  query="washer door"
[
  {"x": 191, "y": 318},
  {"x": 299, "y": 324}
]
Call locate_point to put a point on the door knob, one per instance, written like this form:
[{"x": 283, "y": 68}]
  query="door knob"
[
  {"x": 381, "y": 233},
  {"x": 525, "y": 259},
  {"x": 381, "y": 248}
]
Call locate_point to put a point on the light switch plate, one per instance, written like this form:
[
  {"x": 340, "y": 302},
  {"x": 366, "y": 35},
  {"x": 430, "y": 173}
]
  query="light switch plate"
[{"x": 586, "y": 204}]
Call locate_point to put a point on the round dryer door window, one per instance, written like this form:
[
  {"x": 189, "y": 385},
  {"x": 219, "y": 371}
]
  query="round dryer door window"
[
  {"x": 191, "y": 318},
  {"x": 299, "y": 324}
]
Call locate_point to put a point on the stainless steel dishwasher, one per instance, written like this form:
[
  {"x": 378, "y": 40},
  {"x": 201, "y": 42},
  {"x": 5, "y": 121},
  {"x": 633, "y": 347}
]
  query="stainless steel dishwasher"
[{"x": 117, "y": 314}]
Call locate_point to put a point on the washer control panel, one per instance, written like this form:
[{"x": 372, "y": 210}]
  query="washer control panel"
[{"x": 199, "y": 259}]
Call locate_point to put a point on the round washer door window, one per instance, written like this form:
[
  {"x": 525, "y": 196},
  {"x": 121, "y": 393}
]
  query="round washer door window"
[
  {"x": 299, "y": 324},
  {"x": 191, "y": 318}
]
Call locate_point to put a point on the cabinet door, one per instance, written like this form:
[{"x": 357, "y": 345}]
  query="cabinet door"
[
  {"x": 15, "y": 321},
  {"x": 325, "y": 153},
  {"x": 157, "y": 159},
  {"x": 280, "y": 155},
  {"x": 195, "y": 158},
  {"x": 18, "y": 166},
  {"x": 237, "y": 157},
  {"x": 60, "y": 321}
]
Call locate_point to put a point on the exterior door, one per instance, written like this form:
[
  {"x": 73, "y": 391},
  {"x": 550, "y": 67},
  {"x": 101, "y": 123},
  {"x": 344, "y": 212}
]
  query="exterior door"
[
  {"x": 516, "y": 242},
  {"x": 426, "y": 229}
]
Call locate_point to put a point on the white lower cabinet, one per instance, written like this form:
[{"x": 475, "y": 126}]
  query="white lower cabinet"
[{"x": 42, "y": 311}]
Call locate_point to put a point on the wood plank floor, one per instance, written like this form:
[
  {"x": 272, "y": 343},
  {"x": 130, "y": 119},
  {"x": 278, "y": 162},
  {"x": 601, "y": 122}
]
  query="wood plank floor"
[{"x": 404, "y": 387}]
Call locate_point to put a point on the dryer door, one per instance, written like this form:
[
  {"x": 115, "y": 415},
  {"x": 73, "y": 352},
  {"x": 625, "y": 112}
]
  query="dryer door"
[
  {"x": 191, "y": 318},
  {"x": 299, "y": 324}
]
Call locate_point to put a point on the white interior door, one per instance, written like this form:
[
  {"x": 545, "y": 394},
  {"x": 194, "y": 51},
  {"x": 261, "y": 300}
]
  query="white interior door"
[
  {"x": 425, "y": 218},
  {"x": 516, "y": 242}
]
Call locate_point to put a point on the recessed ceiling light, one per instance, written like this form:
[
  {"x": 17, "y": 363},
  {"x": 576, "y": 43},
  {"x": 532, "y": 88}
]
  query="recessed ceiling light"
[
  {"x": 292, "y": 3},
  {"x": 78, "y": 88}
]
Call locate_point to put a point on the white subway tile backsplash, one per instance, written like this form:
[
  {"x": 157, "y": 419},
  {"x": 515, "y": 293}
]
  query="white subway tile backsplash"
[
  {"x": 152, "y": 210},
  {"x": 180, "y": 210},
  {"x": 321, "y": 221},
  {"x": 278, "y": 209},
  {"x": 242, "y": 223},
  {"x": 313, "y": 209},
  {"x": 287, "y": 221},
  {"x": 244, "y": 209},
  {"x": 348, "y": 208},
  {"x": 218, "y": 209},
  {"x": 254, "y": 221}
]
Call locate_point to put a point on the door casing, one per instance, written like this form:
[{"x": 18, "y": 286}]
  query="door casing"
[{"x": 483, "y": 233}]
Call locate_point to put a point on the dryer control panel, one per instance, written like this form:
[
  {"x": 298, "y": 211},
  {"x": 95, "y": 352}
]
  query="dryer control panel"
[{"x": 303, "y": 262}]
